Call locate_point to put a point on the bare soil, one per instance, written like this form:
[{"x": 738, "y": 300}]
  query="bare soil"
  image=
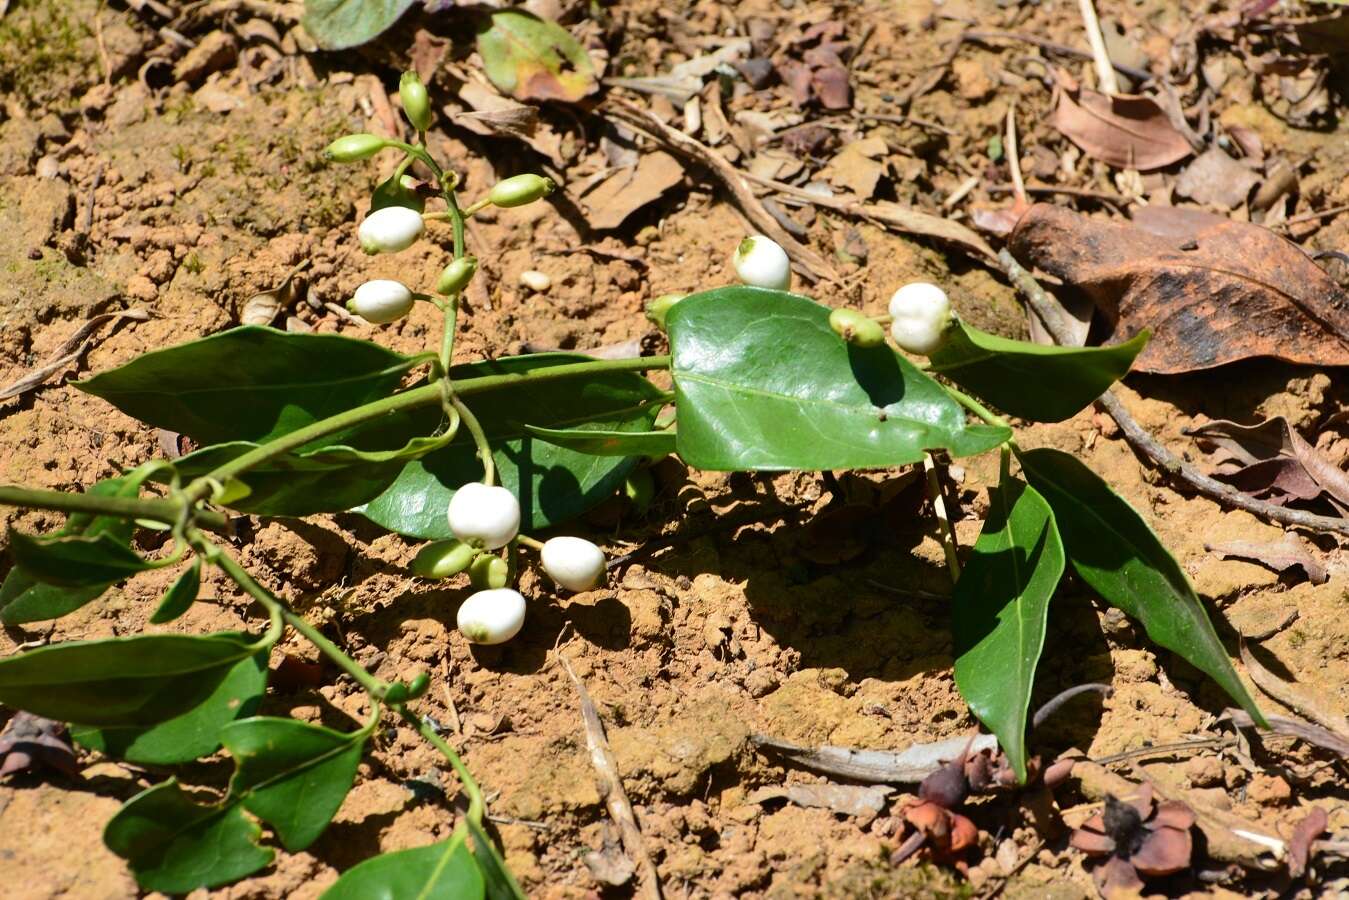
[{"x": 116, "y": 194}]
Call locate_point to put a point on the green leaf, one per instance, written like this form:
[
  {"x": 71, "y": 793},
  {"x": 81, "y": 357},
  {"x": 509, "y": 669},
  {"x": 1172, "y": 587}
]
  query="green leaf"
[
  {"x": 999, "y": 609},
  {"x": 1120, "y": 557},
  {"x": 533, "y": 59},
  {"x": 391, "y": 192},
  {"x": 181, "y": 595},
  {"x": 498, "y": 881},
  {"x": 250, "y": 383},
  {"x": 292, "y": 775},
  {"x": 762, "y": 382},
  {"x": 444, "y": 869},
  {"x": 330, "y": 479},
  {"x": 562, "y": 483},
  {"x": 605, "y": 442},
  {"x": 76, "y": 561},
  {"x": 141, "y": 680},
  {"x": 339, "y": 24},
  {"x": 175, "y": 846},
  {"x": 1043, "y": 384},
  {"x": 191, "y": 734},
  {"x": 24, "y": 598}
]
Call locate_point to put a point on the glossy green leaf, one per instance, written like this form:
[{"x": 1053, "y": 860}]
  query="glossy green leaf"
[
  {"x": 391, "y": 192},
  {"x": 1119, "y": 556},
  {"x": 292, "y": 775},
  {"x": 534, "y": 59},
  {"x": 132, "y": 681},
  {"x": 24, "y": 598},
  {"x": 562, "y": 483},
  {"x": 175, "y": 846},
  {"x": 1043, "y": 384},
  {"x": 999, "y": 609},
  {"x": 191, "y": 734},
  {"x": 180, "y": 595},
  {"x": 762, "y": 382},
  {"x": 330, "y": 479},
  {"x": 250, "y": 383},
  {"x": 339, "y": 24},
  {"x": 76, "y": 561},
  {"x": 444, "y": 869},
  {"x": 603, "y": 442},
  {"x": 498, "y": 882}
]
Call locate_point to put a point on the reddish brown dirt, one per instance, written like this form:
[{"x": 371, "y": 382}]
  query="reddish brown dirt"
[{"x": 159, "y": 202}]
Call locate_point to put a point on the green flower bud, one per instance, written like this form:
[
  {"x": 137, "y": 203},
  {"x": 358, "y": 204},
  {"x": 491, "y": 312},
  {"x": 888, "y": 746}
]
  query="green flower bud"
[
  {"x": 442, "y": 559},
  {"x": 396, "y": 693},
  {"x": 418, "y": 685},
  {"x": 416, "y": 104},
  {"x": 354, "y": 147},
  {"x": 457, "y": 275},
  {"x": 488, "y": 572},
  {"x": 520, "y": 190},
  {"x": 657, "y": 309},
  {"x": 856, "y": 328}
]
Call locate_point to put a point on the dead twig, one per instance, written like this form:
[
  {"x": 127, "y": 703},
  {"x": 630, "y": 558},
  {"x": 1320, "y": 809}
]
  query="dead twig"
[
  {"x": 899, "y": 218},
  {"x": 70, "y": 351},
  {"x": 1056, "y": 324},
  {"x": 908, "y": 766},
  {"x": 1290, "y": 695},
  {"x": 611, "y": 786},
  {"x": 1137, "y": 75},
  {"x": 807, "y": 260}
]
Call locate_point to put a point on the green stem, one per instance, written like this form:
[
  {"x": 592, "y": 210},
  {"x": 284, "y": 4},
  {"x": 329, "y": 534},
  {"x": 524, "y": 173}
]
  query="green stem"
[
  {"x": 476, "y": 805},
  {"x": 239, "y": 574},
  {"x": 974, "y": 406},
  {"x": 166, "y": 511},
  {"x": 425, "y": 395},
  {"x": 373, "y": 686},
  {"x": 530, "y": 542},
  {"x": 489, "y": 468}
]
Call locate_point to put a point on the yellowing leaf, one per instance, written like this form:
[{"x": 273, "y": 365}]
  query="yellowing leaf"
[{"x": 533, "y": 59}]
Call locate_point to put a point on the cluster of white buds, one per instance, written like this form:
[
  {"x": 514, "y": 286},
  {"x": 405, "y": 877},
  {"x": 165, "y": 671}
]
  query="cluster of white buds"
[
  {"x": 485, "y": 518},
  {"x": 394, "y": 228}
]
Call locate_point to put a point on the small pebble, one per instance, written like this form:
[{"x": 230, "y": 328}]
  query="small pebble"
[{"x": 535, "y": 281}]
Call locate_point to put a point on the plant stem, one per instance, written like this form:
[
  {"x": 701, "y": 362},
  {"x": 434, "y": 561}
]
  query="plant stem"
[
  {"x": 165, "y": 511},
  {"x": 425, "y": 395},
  {"x": 530, "y": 542},
  {"x": 372, "y": 685},
  {"x": 239, "y": 574},
  {"x": 489, "y": 468},
  {"x": 974, "y": 406},
  {"x": 476, "y": 804}
]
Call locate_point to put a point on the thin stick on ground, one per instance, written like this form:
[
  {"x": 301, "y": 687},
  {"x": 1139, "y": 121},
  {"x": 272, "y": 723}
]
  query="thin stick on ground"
[
  {"x": 1105, "y": 72},
  {"x": 611, "y": 787},
  {"x": 1014, "y": 156},
  {"x": 1057, "y": 325},
  {"x": 948, "y": 532}
]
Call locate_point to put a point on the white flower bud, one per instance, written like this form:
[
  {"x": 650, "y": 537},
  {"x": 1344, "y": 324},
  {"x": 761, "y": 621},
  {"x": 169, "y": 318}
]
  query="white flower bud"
[
  {"x": 574, "y": 563},
  {"x": 921, "y": 312},
  {"x": 381, "y": 301},
  {"x": 492, "y": 617},
  {"x": 390, "y": 229},
  {"x": 484, "y": 516},
  {"x": 760, "y": 262}
]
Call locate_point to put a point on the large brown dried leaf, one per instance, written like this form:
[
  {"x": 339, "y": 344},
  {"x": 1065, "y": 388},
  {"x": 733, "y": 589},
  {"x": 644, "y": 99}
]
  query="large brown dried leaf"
[
  {"x": 1216, "y": 179},
  {"x": 1232, "y": 292},
  {"x": 1129, "y": 132},
  {"x": 1279, "y": 555},
  {"x": 1272, "y": 449},
  {"x": 628, "y": 190}
]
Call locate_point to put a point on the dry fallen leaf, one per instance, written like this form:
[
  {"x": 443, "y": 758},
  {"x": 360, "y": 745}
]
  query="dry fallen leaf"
[
  {"x": 864, "y": 801},
  {"x": 628, "y": 190},
  {"x": 1128, "y": 132},
  {"x": 858, "y": 167},
  {"x": 1309, "y": 828},
  {"x": 1216, "y": 179},
  {"x": 1232, "y": 292},
  {"x": 69, "y": 351},
  {"x": 1279, "y": 555},
  {"x": 30, "y": 742},
  {"x": 1269, "y": 457},
  {"x": 263, "y": 307}
]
